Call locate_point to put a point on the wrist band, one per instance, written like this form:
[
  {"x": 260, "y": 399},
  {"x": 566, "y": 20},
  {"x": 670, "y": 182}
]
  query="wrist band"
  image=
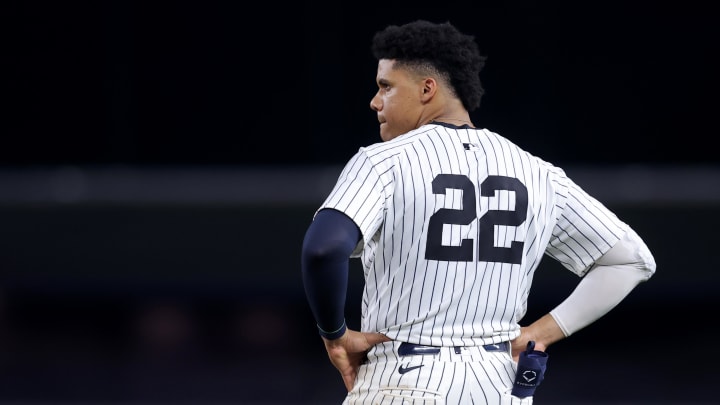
[{"x": 333, "y": 335}]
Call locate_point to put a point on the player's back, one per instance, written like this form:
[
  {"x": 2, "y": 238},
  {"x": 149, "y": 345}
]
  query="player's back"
[{"x": 467, "y": 214}]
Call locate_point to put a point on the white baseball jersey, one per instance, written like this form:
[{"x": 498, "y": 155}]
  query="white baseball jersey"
[{"x": 454, "y": 222}]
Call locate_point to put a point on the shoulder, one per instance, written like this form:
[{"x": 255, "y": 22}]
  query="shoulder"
[{"x": 400, "y": 145}]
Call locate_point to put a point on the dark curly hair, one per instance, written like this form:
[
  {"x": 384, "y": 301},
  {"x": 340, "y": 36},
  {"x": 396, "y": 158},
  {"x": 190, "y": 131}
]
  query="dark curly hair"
[{"x": 423, "y": 45}]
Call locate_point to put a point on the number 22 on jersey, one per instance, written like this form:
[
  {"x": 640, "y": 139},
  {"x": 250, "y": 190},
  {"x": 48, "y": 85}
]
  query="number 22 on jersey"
[{"x": 487, "y": 251}]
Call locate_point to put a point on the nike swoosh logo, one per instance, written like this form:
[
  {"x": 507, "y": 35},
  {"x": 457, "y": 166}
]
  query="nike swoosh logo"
[{"x": 403, "y": 370}]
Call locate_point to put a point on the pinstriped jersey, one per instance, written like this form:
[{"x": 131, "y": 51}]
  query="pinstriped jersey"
[{"x": 454, "y": 222}]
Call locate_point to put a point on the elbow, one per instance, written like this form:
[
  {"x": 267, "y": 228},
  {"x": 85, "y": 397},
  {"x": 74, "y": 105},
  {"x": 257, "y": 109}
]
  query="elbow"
[
  {"x": 646, "y": 261},
  {"x": 649, "y": 266},
  {"x": 633, "y": 251},
  {"x": 643, "y": 266},
  {"x": 317, "y": 254},
  {"x": 313, "y": 256}
]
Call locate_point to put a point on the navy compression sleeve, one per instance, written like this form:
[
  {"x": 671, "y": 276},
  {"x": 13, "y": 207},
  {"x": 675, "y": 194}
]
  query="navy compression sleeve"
[{"x": 328, "y": 243}]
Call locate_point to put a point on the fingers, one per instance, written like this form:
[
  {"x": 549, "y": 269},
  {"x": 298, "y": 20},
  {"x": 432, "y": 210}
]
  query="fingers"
[
  {"x": 348, "y": 353},
  {"x": 349, "y": 381}
]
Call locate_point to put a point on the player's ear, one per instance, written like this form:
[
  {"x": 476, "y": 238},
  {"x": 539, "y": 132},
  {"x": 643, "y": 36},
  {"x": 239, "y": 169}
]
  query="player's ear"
[{"x": 428, "y": 89}]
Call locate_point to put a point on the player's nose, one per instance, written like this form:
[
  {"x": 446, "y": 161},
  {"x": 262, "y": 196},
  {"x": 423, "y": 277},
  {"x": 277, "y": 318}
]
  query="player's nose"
[{"x": 375, "y": 103}]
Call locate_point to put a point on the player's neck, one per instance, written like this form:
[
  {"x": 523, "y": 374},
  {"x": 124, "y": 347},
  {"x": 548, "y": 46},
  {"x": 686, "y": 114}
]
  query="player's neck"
[
  {"x": 447, "y": 109},
  {"x": 453, "y": 121}
]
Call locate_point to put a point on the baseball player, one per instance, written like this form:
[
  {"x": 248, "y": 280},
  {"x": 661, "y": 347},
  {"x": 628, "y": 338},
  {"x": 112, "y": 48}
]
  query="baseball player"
[{"x": 450, "y": 222}]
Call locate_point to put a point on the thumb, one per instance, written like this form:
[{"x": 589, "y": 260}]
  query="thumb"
[{"x": 374, "y": 338}]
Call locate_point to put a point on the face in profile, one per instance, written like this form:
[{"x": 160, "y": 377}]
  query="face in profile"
[{"x": 398, "y": 101}]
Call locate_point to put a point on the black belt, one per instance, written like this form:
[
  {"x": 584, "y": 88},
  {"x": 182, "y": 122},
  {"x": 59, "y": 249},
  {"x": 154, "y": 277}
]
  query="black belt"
[{"x": 411, "y": 349}]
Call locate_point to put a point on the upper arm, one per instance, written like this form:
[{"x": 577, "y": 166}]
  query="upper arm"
[
  {"x": 584, "y": 232},
  {"x": 331, "y": 233}
]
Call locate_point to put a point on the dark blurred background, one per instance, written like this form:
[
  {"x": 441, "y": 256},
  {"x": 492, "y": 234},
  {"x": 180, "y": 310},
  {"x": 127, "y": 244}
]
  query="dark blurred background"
[{"x": 160, "y": 161}]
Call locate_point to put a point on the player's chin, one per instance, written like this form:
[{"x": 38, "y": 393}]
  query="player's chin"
[{"x": 385, "y": 133}]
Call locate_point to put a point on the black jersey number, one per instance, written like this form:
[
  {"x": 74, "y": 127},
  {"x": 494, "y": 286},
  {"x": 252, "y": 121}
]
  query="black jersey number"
[{"x": 487, "y": 251}]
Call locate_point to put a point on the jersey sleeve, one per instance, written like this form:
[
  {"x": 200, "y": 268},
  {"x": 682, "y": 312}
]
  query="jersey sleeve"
[
  {"x": 585, "y": 230},
  {"x": 359, "y": 194}
]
